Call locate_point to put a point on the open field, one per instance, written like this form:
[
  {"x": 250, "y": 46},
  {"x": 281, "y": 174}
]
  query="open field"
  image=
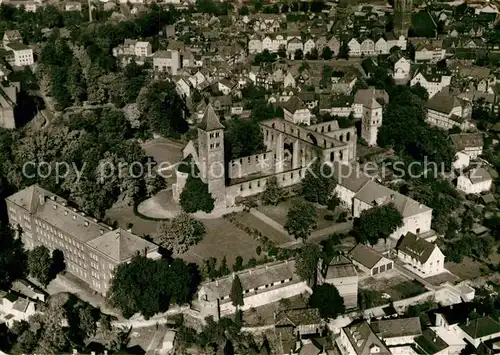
[
  {"x": 393, "y": 284},
  {"x": 222, "y": 239},
  {"x": 278, "y": 213},
  {"x": 467, "y": 269},
  {"x": 268, "y": 231}
]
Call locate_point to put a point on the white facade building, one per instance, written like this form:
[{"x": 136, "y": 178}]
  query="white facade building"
[
  {"x": 402, "y": 69},
  {"x": 167, "y": 61},
  {"x": 420, "y": 256},
  {"x": 296, "y": 111},
  {"x": 23, "y": 55},
  {"x": 475, "y": 181}
]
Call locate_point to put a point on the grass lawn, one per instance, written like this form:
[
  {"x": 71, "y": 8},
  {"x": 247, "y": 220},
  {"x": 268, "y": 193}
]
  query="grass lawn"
[
  {"x": 124, "y": 214},
  {"x": 222, "y": 239},
  {"x": 253, "y": 222},
  {"x": 467, "y": 269},
  {"x": 278, "y": 213}
]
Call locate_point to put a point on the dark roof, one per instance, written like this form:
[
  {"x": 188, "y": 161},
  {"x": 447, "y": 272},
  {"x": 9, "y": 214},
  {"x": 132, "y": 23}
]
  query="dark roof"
[
  {"x": 443, "y": 102},
  {"x": 210, "y": 120},
  {"x": 481, "y": 327},
  {"x": 415, "y": 247},
  {"x": 365, "y": 255},
  {"x": 296, "y": 317},
  {"x": 453, "y": 314},
  {"x": 397, "y": 327},
  {"x": 430, "y": 342},
  {"x": 363, "y": 339},
  {"x": 294, "y": 104},
  {"x": 466, "y": 140}
]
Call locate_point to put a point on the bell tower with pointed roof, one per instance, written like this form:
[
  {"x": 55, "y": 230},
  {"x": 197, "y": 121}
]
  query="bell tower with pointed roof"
[{"x": 211, "y": 155}]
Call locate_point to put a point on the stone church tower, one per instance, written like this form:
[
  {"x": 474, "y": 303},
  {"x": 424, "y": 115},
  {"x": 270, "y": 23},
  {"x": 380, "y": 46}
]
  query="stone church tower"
[
  {"x": 402, "y": 17},
  {"x": 211, "y": 155}
]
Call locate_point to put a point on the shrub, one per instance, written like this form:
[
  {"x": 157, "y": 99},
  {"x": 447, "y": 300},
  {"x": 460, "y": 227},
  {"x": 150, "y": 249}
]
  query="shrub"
[{"x": 258, "y": 250}]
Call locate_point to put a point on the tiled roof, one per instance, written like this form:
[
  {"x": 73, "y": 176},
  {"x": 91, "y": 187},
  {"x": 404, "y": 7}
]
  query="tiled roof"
[
  {"x": 296, "y": 317},
  {"x": 415, "y": 247},
  {"x": 402, "y": 327},
  {"x": 466, "y": 140},
  {"x": 294, "y": 104},
  {"x": 252, "y": 278},
  {"x": 364, "y": 341},
  {"x": 210, "y": 120},
  {"x": 365, "y": 255},
  {"x": 481, "y": 327}
]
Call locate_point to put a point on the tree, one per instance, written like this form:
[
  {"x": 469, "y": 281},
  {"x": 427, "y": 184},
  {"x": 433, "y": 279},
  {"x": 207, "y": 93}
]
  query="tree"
[
  {"x": 40, "y": 264},
  {"x": 196, "y": 197},
  {"x": 343, "y": 51},
  {"x": 313, "y": 54},
  {"x": 238, "y": 264},
  {"x": 149, "y": 286},
  {"x": 301, "y": 219},
  {"x": 376, "y": 223},
  {"x": 328, "y": 301},
  {"x": 12, "y": 257},
  {"x": 282, "y": 52},
  {"x": 273, "y": 194},
  {"x": 298, "y": 55},
  {"x": 327, "y": 53},
  {"x": 243, "y": 138},
  {"x": 306, "y": 262},
  {"x": 318, "y": 183},
  {"x": 179, "y": 233},
  {"x": 236, "y": 292}
]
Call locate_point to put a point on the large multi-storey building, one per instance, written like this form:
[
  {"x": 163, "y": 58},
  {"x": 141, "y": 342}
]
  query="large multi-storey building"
[{"x": 92, "y": 250}]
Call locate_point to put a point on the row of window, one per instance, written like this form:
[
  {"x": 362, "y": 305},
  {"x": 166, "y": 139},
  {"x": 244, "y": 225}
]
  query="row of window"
[{"x": 262, "y": 287}]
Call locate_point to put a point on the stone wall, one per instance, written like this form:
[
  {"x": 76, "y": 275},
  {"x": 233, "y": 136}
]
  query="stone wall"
[{"x": 257, "y": 163}]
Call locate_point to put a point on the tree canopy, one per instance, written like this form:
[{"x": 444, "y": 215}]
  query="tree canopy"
[
  {"x": 150, "y": 286},
  {"x": 327, "y": 299},
  {"x": 236, "y": 292},
  {"x": 243, "y": 138},
  {"x": 301, "y": 219},
  {"x": 13, "y": 260},
  {"x": 377, "y": 223},
  {"x": 318, "y": 184},
  {"x": 40, "y": 264},
  {"x": 179, "y": 233},
  {"x": 273, "y": 194},
  {"x": 196, "y": 197},
  {"x": 306, "y": 262}
]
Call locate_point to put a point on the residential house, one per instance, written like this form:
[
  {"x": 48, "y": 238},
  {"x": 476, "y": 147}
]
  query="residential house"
[
  {"x": 416, "y": 216},
  {"x": 429, "y": 51},
  {"x": 255, "y": 44},
  {"x": 296, "y": 111},
  {"x": 431, "y": 342},
  {"x": 467, "y": 146},
  {"x": 227, "y": 86},
  {"x": 305, "y": 321},
  {"x": 168, "y": 61},
  {"x": 479, "y": 330},
  {"x": 367, "y": 47},
  {"x": 446, "y": 110},
  {"x": 272, "y": 42},
  {"x": 344, "y": 83},
  {"x": 309, "y": 45},
  {"x": 262, "y": 285},
  {"x": 293, "y": 45},
  {"x": 369, "y": 261},
  {"x": 342, "y": 274},
  {"x": 359, "y": 339},
  {"x": 354, "y": 47},
  {"x": 133, "y": 48},
  {"x": 402, "y": 69},
  {"x": 475, "y": 181},
  {"x": 397, "y": 331},
  {"x": 23, "y": 54},
  {"x": 420, "y": 256},
  {"x": 433, "y": 79},
  {"x": 92, "y": 250},
  {"x": 11, "y": 36},
  {"x": 28, "y": 290},
  {"x": 15, "y": 308},
  {"x": 183, "y": 86},
  {"x": 289, "y": 80}
]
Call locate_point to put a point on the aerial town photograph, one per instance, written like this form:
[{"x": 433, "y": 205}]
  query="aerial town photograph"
[{"x": 250, "y": 177}]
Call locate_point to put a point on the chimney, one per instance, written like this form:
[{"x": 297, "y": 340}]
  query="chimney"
[
  {"x": 217, "y": 283},
  {"x": 65, "y": 213},
  {"x": 55, "y": 206},
  {"x": 53, "y": 198},
  {"x": 101, "y": 231},
  {"x": 86, "y": 223},
  {"x": 74, "y": 216},
  {"x": 41, "y": 198}
]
